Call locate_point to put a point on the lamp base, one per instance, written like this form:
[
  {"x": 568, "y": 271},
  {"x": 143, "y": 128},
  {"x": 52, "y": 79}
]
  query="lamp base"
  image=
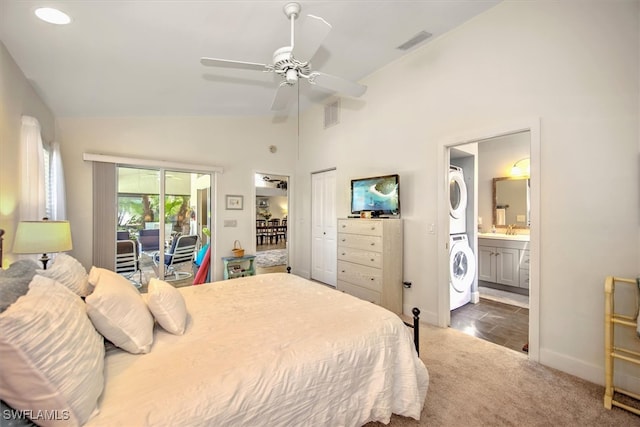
[{"x": 44, "y": 259}]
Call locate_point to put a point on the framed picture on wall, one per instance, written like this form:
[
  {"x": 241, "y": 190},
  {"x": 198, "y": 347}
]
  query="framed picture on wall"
[{"x": 234, "y": 202}]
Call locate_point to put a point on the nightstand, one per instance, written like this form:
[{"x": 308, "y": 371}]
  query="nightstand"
[{"x": 238, "y": 266}]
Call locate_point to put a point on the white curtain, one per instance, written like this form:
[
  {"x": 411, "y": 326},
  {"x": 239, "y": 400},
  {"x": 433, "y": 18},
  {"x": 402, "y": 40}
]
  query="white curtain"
[
  {"x": 58, "y": 196},
  {"x": 32, "y": 186}
]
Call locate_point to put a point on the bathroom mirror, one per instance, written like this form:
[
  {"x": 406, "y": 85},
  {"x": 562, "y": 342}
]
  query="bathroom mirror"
[{"x": 511, "y": 202}]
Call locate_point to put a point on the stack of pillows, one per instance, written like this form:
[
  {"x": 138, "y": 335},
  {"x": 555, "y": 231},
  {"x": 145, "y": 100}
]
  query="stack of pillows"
[{"x": 52, "y": 341}]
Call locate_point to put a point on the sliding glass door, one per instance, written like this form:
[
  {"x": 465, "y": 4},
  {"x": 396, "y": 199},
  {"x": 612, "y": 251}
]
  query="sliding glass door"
[{"x": 167, "y": 215}]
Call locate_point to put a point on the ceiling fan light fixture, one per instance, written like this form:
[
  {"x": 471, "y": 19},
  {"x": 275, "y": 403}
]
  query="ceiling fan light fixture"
[
  {"x": 52, "y": 16},
  {"x": 291, "y": 76}
]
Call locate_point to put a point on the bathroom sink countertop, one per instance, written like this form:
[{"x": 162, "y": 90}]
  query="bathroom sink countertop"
[{"x": 502, "y": 236}]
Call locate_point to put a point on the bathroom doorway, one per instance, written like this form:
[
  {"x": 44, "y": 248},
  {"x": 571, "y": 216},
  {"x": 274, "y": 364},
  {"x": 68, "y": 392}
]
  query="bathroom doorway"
[
  {"x": 503, "y": 304},
  {"x": 272, "y": 222},
  {"x": 497, "y": 309}
]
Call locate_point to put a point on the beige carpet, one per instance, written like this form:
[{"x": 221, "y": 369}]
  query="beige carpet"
[{"x": 477, "y": 383}]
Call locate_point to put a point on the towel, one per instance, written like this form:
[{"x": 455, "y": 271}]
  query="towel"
[
  {"x": 501, "y": 216},
  {"x": 203, "y": 271}
]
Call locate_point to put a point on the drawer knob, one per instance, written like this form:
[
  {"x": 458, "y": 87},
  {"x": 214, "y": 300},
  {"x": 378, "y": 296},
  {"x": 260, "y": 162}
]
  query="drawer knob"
[
  {"x": 373, "y": 244},
  {"x": 344, "y": 240},
  {"x": 373, "y": 228},
  {"x": 372, "y": 279},
  {"x": 372, "y": 259},
  {"x": 343, "y": 253},
  {"x": 343, "y": 271}
]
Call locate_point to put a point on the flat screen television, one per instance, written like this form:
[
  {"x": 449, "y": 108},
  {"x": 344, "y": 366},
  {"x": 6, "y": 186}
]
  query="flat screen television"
[{"x": 380, "y": 195}]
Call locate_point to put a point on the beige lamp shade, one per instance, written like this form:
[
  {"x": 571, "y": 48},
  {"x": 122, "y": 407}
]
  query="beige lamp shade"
[{"x": 39, "y": 237}]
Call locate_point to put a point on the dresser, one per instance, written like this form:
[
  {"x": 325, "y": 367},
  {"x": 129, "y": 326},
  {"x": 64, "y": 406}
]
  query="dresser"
[{"x": 370, "y": 260}]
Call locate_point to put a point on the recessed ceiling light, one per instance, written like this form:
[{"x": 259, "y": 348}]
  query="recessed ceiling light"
[{"x": 52, "y": 16}]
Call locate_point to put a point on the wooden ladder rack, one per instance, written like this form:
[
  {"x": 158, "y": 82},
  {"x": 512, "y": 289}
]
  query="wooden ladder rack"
[{"x": 612, "y": 352}]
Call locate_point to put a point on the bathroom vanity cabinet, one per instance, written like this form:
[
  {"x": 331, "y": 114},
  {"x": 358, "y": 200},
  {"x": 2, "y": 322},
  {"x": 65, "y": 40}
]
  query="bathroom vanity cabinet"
[{"x": 505, "y": 262}]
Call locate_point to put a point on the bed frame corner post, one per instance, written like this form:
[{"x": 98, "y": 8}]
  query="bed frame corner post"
[{"x": 416, "y": 328}]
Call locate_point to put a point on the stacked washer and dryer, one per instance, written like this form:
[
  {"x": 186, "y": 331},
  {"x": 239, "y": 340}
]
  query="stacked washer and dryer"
[{"x": 462, "y": 261}]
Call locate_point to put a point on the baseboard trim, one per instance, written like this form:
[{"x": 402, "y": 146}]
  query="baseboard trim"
[
  {"x": 475, "y": 297},
  {"x": 573, "y": 366},
  {"x": 588, "y": 371}
]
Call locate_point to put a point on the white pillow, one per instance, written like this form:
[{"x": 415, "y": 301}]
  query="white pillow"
[
  {"x": 167, "y": 306},
  {"x": 68, "y": 271},
  {"x": 118, "y": 311},
  {"x": 52, "y": 357}
]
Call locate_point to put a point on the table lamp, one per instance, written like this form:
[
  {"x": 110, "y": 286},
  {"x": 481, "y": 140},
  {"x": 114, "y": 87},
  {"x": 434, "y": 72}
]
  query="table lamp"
[{"x": 35, "y": 237}]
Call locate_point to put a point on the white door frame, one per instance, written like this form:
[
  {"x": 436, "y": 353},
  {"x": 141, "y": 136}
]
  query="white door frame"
[
  {"x": 533, "y": 126},
  {"x": 290, "y": 212}
]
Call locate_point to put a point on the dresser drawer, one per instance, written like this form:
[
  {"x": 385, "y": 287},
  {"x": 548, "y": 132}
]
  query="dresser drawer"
[
  {"x": 359, "y": 256},
  {"x": 361, "y": 275},
  {"x": 359, "y": 292},
  {"x": 359, "y": 241},
  {"x": 363, "y": 226}
]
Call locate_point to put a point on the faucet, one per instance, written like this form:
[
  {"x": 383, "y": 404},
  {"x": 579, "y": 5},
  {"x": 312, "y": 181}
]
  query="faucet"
[{"x": 510, "y": 229}]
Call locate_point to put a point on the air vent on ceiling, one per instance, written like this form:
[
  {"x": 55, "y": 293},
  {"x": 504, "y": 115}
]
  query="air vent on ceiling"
[
  {"x": 332, "y": 114},
  {"x": 418, "y": 38}
]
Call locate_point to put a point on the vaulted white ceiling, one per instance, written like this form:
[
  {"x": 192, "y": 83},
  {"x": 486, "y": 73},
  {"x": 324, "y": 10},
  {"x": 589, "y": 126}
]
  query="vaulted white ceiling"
[{"x": 142, "y": 57}]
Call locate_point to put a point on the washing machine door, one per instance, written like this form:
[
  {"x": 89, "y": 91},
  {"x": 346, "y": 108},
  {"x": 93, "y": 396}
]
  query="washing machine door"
[
  {"x": 457, "y": 194},
  {"x": 462, "y": 267}
]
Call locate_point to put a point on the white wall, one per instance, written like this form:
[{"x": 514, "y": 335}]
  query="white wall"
[
  {"x": 572, "y": 64},
  {"x": 17, "y": 98},
  {"x": 238, "y": 145}
]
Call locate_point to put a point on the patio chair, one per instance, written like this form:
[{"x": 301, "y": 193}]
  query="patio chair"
[
  {"x": 149, "y": 241},
  {"x": 182, "y": 251},
  {"x": 127, "y": 263}
]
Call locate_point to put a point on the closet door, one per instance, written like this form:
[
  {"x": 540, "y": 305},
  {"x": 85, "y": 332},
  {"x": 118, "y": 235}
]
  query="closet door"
[{"x": 324, "y": 227}]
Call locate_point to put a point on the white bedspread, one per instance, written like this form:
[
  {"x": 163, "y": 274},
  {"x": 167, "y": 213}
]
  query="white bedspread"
[{"x": 269, "y": 350}]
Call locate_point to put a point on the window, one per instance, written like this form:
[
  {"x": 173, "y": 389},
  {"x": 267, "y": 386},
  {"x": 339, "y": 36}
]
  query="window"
[{"x": 48, "y": 190}]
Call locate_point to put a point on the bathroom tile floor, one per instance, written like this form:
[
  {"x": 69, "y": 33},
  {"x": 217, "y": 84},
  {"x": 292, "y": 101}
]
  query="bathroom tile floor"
[{"x": 502, "y": 324}]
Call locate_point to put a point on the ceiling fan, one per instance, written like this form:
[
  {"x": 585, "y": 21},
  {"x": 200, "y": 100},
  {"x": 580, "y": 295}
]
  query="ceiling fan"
[
  {"x": 269, "y": 179},
  {"x": 293, "y": 62},
  {"x": 280, "y": 183}
]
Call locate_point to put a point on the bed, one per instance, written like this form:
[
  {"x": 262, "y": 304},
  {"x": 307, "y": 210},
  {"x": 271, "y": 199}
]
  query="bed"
[{"x": 267, "y": 350}]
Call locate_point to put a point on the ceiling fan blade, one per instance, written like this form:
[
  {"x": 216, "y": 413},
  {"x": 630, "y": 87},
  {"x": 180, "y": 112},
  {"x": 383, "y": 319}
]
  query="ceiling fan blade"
[
  {"x": 284, "y": 94},
  {"x": 337, "y": 84},
  {"x": 227, "y": 63},
  {"x": 312, "y": 33}
]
